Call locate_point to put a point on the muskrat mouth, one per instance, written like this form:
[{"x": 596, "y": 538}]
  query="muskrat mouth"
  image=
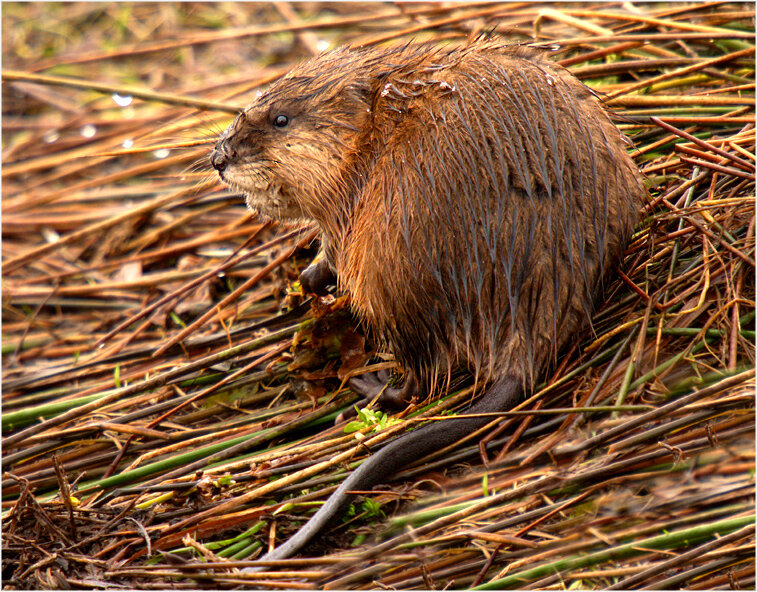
[
  {"x": 259, "y": 197},
  {"x": 265, "y": 197},
  {"x": 263, "y": 193},
  {"x": 246, "y": 179}
]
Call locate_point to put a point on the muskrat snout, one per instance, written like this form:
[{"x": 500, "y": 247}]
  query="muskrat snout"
[
  {"x": 220, "y": 156},
  {"x": 218, "y": 161}
]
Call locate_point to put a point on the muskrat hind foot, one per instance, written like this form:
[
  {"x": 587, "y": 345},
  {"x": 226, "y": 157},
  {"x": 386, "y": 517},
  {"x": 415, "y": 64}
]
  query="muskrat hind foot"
[{"x": 376, "y": 387}]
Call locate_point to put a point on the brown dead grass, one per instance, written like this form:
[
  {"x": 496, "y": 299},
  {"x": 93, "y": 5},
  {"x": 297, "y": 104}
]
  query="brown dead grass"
[{"x": 168, "y": 396}]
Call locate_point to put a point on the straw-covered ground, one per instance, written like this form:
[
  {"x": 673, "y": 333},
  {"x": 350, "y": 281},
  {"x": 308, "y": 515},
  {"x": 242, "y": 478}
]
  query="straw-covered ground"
[{"x": 169, "y": 396}]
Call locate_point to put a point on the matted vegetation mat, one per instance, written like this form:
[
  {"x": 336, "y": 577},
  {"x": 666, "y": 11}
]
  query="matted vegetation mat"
[{"x": 169, "y": 396}]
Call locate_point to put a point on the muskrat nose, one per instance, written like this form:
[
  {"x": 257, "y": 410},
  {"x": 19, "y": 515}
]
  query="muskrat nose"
[{"x": 218, "y": 159}]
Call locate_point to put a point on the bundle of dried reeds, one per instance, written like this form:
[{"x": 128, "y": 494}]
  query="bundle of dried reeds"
[{"x": 168, "y": 395}]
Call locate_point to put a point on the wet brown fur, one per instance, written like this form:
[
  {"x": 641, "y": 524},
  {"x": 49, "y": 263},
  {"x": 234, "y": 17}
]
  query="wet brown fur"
[{"x": 470, "y": 199}]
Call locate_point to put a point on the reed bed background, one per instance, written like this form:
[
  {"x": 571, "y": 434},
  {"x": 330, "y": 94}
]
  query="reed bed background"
[{"x": 169, "y": 396}]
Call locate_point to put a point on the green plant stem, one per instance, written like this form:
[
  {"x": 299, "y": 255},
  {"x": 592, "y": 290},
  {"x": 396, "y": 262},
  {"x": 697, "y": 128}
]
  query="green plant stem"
[{"x": 667, "y": 541}]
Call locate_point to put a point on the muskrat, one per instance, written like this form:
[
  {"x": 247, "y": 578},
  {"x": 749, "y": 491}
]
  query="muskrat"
[{"x": 470, "y": 199}]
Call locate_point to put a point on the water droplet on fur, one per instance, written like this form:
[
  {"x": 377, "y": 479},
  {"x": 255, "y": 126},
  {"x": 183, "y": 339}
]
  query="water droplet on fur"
[
  {"x": 322, "y": 45},
  {"x": 161, "y": 152},
  {"x": 258, "y": 93},
  {"x": 88, "y": 131},
  {"x": 128, "y": 143}
]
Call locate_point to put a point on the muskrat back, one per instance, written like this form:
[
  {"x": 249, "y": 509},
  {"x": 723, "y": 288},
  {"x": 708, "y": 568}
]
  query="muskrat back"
[{"x": 470, "y": 200}]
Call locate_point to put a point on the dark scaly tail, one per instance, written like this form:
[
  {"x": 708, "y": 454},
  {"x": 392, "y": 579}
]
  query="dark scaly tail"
[{"x": 500, "y": 396}]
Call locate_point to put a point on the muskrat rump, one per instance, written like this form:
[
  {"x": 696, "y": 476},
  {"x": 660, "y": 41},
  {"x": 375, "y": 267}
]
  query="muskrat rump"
[{"x": 470, "y": 200}]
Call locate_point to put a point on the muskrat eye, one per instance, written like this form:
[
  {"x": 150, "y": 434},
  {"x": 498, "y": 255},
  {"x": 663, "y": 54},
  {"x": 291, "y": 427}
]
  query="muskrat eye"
[{"x": 281, "y": 121}]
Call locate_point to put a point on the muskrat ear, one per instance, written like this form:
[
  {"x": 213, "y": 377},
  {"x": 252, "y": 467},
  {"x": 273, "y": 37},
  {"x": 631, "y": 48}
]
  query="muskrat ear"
[{"x": 361, "y": 91}]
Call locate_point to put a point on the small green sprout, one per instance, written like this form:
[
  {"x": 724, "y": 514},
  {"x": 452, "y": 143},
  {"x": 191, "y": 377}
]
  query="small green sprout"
[{"x": 368, "y": 418}]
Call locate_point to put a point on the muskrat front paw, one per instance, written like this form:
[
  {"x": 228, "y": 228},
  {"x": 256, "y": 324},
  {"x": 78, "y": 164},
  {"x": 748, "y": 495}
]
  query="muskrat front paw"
[{"x": 317, "y": 277}]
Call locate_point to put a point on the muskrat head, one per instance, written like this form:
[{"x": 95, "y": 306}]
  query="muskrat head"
[{"x": 288, "y": 151}]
